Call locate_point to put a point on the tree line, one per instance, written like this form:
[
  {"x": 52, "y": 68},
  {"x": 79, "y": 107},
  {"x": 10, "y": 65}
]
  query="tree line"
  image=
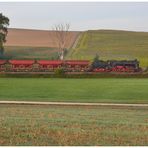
[{"x": 4, "y": 23}]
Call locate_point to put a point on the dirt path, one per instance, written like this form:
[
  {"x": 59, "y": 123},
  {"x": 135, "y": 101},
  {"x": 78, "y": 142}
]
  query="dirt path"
[
  {"x": 72, "y": 103},
  {"x": 76, "y": 41}
]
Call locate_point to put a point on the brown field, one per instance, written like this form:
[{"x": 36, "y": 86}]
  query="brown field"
[
  {"x": 34, "y": 125},
  {"x": 36, "y": 38}
]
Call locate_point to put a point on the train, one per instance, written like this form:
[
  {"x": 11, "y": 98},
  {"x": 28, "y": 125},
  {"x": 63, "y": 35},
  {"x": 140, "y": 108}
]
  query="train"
[{"x": 69, "y": 66}]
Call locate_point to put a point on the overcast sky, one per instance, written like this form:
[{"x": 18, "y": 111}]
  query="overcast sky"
[{"x": 81, "y": 16}]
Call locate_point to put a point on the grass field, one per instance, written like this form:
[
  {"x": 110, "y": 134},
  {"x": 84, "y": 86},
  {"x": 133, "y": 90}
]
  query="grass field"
[
  {"x": 63, "y": 125},
  {"x": 111, "y": 44},
  {"x": 24, "y": 52},
  {"x": 121, "y": 90}
]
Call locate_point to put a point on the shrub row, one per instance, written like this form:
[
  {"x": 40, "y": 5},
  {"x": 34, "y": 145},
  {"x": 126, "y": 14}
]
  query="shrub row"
[{"x": 100, "y": 75}]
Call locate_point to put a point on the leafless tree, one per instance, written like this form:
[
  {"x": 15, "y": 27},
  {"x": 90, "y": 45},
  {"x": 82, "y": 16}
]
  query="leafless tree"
[{"x": 61, "y": 36}]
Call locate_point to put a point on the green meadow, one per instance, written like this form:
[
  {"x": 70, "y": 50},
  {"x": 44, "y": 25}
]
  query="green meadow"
[
  {"x": 120, "y": 90},
  {"x": 25, "y": 52}
]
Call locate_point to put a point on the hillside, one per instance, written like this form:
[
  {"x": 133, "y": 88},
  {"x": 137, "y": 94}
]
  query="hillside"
[
  {"x": 112, "y": 44},
  {"x": 35, "y": 38},
  {"x": 27, "y": 43}
]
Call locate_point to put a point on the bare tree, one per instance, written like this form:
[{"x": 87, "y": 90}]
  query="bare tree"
[{"x": 61, "y": 37}]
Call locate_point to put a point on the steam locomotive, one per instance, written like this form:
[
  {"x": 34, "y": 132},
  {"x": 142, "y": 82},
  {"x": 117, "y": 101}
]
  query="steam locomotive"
[
  {"x": 69, "y": 66},
  {"x": 115, "y": 66}
]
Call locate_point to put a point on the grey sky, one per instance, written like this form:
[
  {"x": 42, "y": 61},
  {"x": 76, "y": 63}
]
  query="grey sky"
[{"x": 81, "y": 16}]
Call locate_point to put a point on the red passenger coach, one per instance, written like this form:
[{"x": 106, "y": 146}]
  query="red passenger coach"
[
  {"x": 2, "y": 65},
  {"x": 47, "y": 65},
  {"x": 21, "y": 65},
  {"x": 77, "y": 65}
]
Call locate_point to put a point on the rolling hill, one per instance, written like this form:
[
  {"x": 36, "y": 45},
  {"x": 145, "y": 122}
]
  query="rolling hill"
[
  {"x": 112, "y": 44},
  {"x": 108, "y": 44}
]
